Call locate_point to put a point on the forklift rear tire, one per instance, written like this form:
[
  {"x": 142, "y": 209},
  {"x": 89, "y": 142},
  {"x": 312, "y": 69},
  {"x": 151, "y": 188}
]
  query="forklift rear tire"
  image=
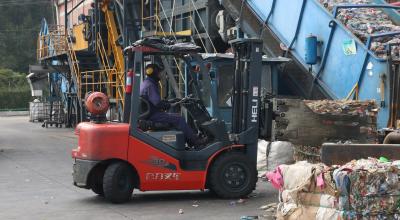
[
  {"x": 118, "y": 182},
  {"x": 96, "y": 180},
  {"x": 232, "y": 176},
  {"x": 98, "y": 189}
]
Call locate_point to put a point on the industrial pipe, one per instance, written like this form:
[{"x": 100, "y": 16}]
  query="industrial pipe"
[{"x": 392, "y": 138}]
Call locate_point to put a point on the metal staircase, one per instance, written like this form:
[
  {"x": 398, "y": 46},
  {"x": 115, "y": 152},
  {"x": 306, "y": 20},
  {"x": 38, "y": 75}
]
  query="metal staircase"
[
  {"x": 116, "y": 73},
  {"x": 91, "y": 72},
  {"x": 115, "y": 79}
]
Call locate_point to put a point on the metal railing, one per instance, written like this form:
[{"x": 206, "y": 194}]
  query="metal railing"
[
  {"x": 119, "y": 64},
  {"x": 51, "y": 44},
  {"x": 107, "y": 80},
  {"x": 115, "y": 90},
  {"x": 99, "y": 81},
  {"x": 113, "y": 38},
  {"x": 72, "y": 57}
]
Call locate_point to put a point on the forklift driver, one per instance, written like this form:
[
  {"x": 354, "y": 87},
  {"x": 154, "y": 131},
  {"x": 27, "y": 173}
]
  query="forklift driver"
[{"x": 149, "y": 90}]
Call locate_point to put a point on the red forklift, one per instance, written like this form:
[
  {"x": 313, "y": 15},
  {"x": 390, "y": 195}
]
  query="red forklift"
[{"x": 113, "y": 159}]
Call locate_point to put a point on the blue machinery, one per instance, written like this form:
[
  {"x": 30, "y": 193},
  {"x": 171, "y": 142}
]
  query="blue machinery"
[{"x": 361, "y": 75}]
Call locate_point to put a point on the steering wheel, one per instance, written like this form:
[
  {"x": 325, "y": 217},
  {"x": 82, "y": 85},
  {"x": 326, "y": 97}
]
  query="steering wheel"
[
  {"x": 186, "y": 99},
  {"x": 174, "y": 100}
]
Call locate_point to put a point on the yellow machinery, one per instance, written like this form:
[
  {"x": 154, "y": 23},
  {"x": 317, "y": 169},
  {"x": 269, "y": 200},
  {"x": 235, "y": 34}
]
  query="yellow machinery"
[
  {"x": 60, "y": 44},
  {"x": 94, "y": 52}
]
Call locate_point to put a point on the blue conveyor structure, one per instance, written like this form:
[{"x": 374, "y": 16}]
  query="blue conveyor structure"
[
  {"x": 52, "y": 69},
  {"x": 58, "y": 82},
  {"x": 284, "y": 24}
]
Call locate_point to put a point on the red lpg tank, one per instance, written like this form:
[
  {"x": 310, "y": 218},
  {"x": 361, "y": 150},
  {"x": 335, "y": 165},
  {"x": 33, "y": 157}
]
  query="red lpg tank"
[{"x": 97, "y": 103}]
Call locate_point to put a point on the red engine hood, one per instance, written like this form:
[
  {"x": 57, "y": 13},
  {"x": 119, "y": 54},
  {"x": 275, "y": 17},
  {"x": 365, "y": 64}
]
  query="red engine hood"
[{"x": 101, "y": 141}]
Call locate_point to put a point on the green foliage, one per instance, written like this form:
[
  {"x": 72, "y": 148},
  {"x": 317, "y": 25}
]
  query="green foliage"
[
  {"x": 19, "y": 29},
  {"x": 15, "y": 99},
  {"x": 14, "y": 90},
  {"x": 10, "y": 80}
]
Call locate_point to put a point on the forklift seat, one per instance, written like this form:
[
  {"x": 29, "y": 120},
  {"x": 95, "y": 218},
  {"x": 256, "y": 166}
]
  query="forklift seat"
[
  {"x": 164, "y": 132},
  {"x": 148, "y": 125}
]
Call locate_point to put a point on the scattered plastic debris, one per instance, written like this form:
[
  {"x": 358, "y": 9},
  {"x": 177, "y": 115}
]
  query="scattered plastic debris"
[
  {"x": 241, "y": 201},
  {"x": 271, "y": 205},
  {"x": 364, "y": 22},
  {"x": 248, "y": 217},
  {"x": 338, "y": 115},
  {"x": 195, "y": 205},
  {"x": 180, "y": 211},
  {"x": 309, "y": 153},
  {"x": 342, "y": 107},
  {"x": 383, "y": 160},
  {"x": 269, "y": 210}
]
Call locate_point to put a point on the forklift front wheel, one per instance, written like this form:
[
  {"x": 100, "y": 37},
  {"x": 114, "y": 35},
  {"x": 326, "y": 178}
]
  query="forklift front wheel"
[
  {"x": 118, "y": 182},
  {"x": 232, "y": 176}
]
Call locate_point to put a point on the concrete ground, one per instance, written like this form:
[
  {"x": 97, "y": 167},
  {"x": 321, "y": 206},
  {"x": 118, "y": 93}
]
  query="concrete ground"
[
  {"x": 13, "y": 113},
  {"x": 36, "y": 183}
]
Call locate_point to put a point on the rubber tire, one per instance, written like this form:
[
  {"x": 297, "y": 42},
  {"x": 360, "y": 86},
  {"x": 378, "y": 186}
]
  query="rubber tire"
[
  {"x": 216, "y": 176},
  {"x": 96, "y": 179},
  {"x": 98, "y": 188},
  {"x": 112, "y": 176}
]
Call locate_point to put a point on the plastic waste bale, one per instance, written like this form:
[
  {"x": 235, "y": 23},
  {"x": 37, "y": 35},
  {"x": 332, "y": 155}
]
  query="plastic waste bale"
[
  {"x": 305, "y": 193},
  {"x": 375, "y": 187},
  {"x": 361, "y": 189}
]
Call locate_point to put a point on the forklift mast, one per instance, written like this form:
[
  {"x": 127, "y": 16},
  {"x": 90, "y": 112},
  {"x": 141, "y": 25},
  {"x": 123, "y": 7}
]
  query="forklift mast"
[{"x": 246, "y": 93}]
